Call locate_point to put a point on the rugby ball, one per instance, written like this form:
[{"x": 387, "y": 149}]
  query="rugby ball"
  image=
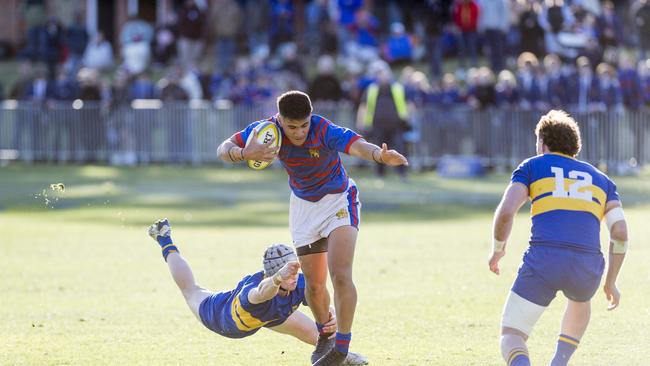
[{"x": 266, "y": 131}]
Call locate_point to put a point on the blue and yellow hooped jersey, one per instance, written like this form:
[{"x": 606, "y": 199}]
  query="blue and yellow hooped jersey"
[
  {"x": 232, "y": 315},
  {"x": 568, "y": 200}
]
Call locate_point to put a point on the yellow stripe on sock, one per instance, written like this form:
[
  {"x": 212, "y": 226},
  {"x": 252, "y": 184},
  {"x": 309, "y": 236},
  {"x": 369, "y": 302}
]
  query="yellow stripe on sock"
[
  {"x": 569, "y": 341},
  {"x": 515, "y": 353},
  {"x": 167, "y": 246}
]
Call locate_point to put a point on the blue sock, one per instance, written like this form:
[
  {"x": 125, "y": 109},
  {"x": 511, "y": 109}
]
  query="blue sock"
[
  {"x": 167, "y": 246},
  {"x": 518, "y": 357},
  {"x": 566, "y": 345},
  {"x": 343, "y": 342}
]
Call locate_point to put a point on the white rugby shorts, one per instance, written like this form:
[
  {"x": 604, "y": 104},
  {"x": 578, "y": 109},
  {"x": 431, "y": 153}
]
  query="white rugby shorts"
[{"x": 311, "y": 221}]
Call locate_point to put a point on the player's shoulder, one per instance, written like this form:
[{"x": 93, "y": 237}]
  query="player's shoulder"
[{"x": 318, "y": 120}]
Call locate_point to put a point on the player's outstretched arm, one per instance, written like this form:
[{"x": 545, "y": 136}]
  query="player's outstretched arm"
[
  {"x": 617, "y": 248},
  {"x": 380, "y": 155},
  {"x": 268, "y": 288},
  {"x": 514, "y": 197}
]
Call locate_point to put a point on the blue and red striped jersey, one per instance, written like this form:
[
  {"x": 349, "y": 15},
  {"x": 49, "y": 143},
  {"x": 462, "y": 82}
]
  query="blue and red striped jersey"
[{"x": 315, "y": 167}]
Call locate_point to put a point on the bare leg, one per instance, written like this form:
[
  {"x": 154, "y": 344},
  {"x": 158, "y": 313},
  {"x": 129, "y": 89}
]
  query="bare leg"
[
  {"x": 182, "y": 275},
  {"x": 576, "y": 318},
  {"x": 341, "y": 257},
  {"x": 314, "y": 267},
  {"x": 574, "y": 324}
]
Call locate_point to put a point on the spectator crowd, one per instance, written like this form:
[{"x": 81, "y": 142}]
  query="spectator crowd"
[{"x": 581, "y": 54}]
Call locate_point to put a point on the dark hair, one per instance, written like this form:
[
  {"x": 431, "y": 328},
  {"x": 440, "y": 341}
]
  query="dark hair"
[
  {"x": 294, "y": 105},
  {"x": 559, "y": 132}
]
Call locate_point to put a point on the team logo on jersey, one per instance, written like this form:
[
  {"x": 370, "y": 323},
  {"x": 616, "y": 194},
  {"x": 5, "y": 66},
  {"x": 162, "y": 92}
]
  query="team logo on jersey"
[
  {"x": 314, "y": 153},
  {"x": 343, "y": 213}
]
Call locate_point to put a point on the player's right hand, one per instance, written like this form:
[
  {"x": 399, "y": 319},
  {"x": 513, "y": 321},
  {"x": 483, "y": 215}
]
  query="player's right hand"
[
  {"x": 258, "y": 151},
  {"x": 330, "y": 326},
  {"x": 494, "y": 261},
  {"x": 289, "y": 270},
  {"x": 613, "y": 296}
]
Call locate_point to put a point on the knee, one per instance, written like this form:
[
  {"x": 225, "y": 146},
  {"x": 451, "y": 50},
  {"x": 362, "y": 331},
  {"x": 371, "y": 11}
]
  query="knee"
[
  {"x": 316, "y": 287},
  {"x": 342, "y": 279},
  {"x": 512, "y": 342}
]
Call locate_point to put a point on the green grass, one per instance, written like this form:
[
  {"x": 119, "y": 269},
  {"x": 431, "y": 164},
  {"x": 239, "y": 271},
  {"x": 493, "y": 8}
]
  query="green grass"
[{"x": 83, "y": 285}]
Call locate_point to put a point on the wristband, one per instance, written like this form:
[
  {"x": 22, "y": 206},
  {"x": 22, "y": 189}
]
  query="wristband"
[
  {"x": 232, "y": 158},
  {"x": 498, "y": 245},
  {"x": 373, "y": 156},
  {"x": 619, "y": 246}
]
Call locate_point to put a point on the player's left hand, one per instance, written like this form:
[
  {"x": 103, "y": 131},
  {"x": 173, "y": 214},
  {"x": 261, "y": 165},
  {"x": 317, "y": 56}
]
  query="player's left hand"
[
  {"x": 613, "y": 296},
  {"x": 392, "y": 157},
  {"x": 330, "y": 325},
  {"x": 494, "y": 261}
]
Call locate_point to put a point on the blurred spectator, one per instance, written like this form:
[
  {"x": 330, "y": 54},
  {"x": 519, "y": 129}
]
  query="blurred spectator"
[
  {"x": 257, "y": 15},
  {"x": 556, "y": 82},
  {"x": 347, "y": 10},
  {"x": 64, "y": 88},
  {"x": 32, "y": 124},
  {"x": 507, "y": 94},
  {"x": 641, "y": 12},
  {"x": 76, "y": 38},
  {"x": 528, "y": 82},
  {"x": 190, "y": 82},
  {"x": 191, "y": 22},
  {"x": 92, "y": 144},
  {"x": 226, "y": 19},
  {"x": 140, "y": 88},
  {"x": 466, "y": 14},
  {"x": 437, "y": 15},
  {"x": 555, "y": 18},
  {"x": 630, "y": 81},
  {"x": 50, "y": 45},
  {"x": 290, "y": 61},
  {"x": 532, "y": 33},
  {"x": 494, "y": 23},
  {"x": 163, "y": 45},
  {"x": 325, "y": 86},
  {"x": 450, "y": 95},
  {"x": 383, "y": 115},
  {"x": 281, "y": 29},
  {"x": 172, "y": 93},
  {"x": 608, "y": 27},
  {"x": 584, "y": 90},
  {"x": 483, "y": 95},
  {"x": 316, "y": 20},
  {"x": 135, "y": 40},
  {"x": 99, "y": 53},
  {"x": 125, "y": 134},
  {"x": 610, "y": 89},
  {"x": 64, "y": 91},
  {"x": 25, "y": 78},
  {"x": 398, "y": 49},
  {"x": 364, "y": 45}
]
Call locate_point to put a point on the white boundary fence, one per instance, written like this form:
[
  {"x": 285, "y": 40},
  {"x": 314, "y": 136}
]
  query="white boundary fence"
[{"x": 152, "y": 132}]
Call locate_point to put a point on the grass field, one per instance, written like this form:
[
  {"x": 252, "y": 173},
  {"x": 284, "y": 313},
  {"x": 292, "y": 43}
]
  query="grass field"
[{"x": 82, "y": 284}]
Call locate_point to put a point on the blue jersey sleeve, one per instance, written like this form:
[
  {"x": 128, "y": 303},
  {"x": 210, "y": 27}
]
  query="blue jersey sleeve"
[
  {"x": 243, "y": 294},
  {"x": 338, "y": 138},
  {"x": 241, "y": 136},
  {"x": 301, "y": 288},
  {"x": 522, "y": 174},
  {"x": 612, "y": 193}
]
